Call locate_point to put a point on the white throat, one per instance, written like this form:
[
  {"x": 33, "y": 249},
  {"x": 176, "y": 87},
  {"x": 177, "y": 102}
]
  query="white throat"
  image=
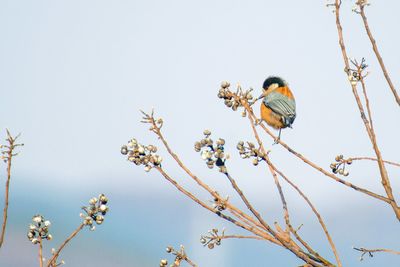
[{"x": 273, "y": 86}]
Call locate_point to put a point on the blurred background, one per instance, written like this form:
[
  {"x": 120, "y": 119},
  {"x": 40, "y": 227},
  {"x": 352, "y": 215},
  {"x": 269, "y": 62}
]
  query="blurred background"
[{"x": 74, "y": 74}]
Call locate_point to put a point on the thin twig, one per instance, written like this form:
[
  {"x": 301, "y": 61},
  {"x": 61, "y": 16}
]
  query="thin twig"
[
  {"x": 240, "y": 237},
  {"x": 378, "y": 55},
  {"x": 319, "y": 217},
  {"x": 274, "y": 170},
  {"x": 53, "y": 260},
  {"x": 190, "y": 262},
  {"x": 306, "y": 160},
  {"x": 204, "y": 205},
  {"x": 245, "y": 200},
  {"x": 374, "y": 159},
  {"x": 40, "y": 251},
  {"x": 382, "y": 169},
  {"x": 9, "y": 155},
  {"x": 157, "y": 130},
  {"x": 371, "y": 251}
]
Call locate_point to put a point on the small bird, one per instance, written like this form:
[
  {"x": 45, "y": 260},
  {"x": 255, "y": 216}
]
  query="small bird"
[{"x": 278, "y": 108}]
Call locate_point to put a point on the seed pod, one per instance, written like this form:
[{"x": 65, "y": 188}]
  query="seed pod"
[{"x": 225, "y": 84}]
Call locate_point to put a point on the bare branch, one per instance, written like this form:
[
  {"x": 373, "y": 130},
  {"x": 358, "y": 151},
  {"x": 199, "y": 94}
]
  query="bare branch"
[{"x": 378, "y": 55}]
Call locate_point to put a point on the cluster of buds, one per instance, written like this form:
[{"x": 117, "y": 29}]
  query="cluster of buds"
[
  {"x": 338, "y": 167},
  {"x": 220, "y": 203},
  {"x": 212, "y": 239},
  {"x": 250, "y": 151},
  {"x": 212, "y": 153},
  {"x": 180, "y": 255},
  {"x": 355, "y": 75},
  {"x": 141, "y": 154},
  {"x": 95, "y": 212},
  {"x": 39, "y": 229},
  {"x": 234, "y": 100},
  {"x": 360, "y": 4}
]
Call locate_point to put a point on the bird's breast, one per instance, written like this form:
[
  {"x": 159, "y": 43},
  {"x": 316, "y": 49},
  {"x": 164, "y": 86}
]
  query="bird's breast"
[{"x": 271, "y": 118}]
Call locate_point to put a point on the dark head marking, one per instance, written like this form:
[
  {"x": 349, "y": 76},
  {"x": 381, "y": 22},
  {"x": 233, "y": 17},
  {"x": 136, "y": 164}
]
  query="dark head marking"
[{"x": 273, "y": 79}]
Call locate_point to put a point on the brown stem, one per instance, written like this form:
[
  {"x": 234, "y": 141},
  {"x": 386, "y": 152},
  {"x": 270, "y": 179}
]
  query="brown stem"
[
  {"x": 10, "y": 153},
  {"x": 306, "y": 160},
  {"x": 374, "y": 159},
  {"x": 382, "y": 169},
  {"x": 190, "y": 262},
  {"x": 53, "y": 260},
  {"x": 239, "y": 237},
  {"x": 158, "y": 132},
  {"x": 378, "y": 55},
  {"x": 319, "y": 217},
  {"x": 274, "y": 170},
  {"x": 245, "y": 200},
  {"x": 40, "y": 252},
  {"x": 5, "y": 210},
  {"x": 204, "y": 205},
  {"x": 365, "y": 250}
]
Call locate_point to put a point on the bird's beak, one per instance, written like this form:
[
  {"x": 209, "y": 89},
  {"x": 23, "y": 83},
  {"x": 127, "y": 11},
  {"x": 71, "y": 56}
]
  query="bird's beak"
[{"x": 261, "y": 96}]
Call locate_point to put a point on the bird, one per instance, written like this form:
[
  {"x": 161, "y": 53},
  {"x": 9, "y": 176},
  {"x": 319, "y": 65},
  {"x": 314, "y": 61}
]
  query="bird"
[{"x": 278, "y": 108}]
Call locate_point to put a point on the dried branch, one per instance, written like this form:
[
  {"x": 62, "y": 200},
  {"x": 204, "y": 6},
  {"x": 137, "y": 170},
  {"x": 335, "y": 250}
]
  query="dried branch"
[
  {"x": 274, "y": 170},
  {"x": 382, "y": 169},
  {"x": 249, "y": 110},
  {"x": 40, "y": 252},
  {"x": 53, "y": 260},
  {"x": 94, "y": 213},
  {"x": 180, "y": 255},
  {"x": 7, "y": 156},
  {"x": 279, "y": 237},
  {"x": 362, "y": 5},
  {"x": 369, "y": 252},
  {"x": 374, "y": 159},
  {"x": 252, "y": 229}
]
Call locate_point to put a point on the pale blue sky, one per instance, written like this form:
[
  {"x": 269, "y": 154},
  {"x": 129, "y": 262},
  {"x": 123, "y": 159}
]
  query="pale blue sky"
[{"x": 73, "y": 75}]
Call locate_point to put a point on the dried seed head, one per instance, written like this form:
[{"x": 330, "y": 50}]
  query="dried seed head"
[
  {"x": 207, "y": 132},
  {"x": 225, "y": 84},
  {"x": 124, "y": 150},
  {"x": 103, "y": 199}
]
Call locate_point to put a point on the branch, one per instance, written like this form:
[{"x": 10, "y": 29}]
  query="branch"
[
  {"x": 40, "y": 252},
  {"x": 218, "y": 213},
  {"x": 53, "y": 260},
  {"x": 370, "y": 252},
  {"x": 374, "y": 159},
  {"x": 378, "y": 55},
  {"x": 383, "y": 172},
  {"x": 9, "y": 153},
  {"x": 274, "y": 170}
]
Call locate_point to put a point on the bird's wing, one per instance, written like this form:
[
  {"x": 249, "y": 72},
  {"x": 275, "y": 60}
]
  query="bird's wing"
[{"x": 282, "y": 105}]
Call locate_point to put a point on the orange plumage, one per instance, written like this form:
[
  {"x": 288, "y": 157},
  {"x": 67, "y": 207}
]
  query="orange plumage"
[{"x": 278, "y": 108}]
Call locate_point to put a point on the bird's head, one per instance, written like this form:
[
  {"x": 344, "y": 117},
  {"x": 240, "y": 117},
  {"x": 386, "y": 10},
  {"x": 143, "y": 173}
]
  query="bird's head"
[{"x": 271, "y": 83}]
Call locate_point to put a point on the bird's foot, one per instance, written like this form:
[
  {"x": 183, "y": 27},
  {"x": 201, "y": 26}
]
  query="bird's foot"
[{"x": 276, "y": 141}]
